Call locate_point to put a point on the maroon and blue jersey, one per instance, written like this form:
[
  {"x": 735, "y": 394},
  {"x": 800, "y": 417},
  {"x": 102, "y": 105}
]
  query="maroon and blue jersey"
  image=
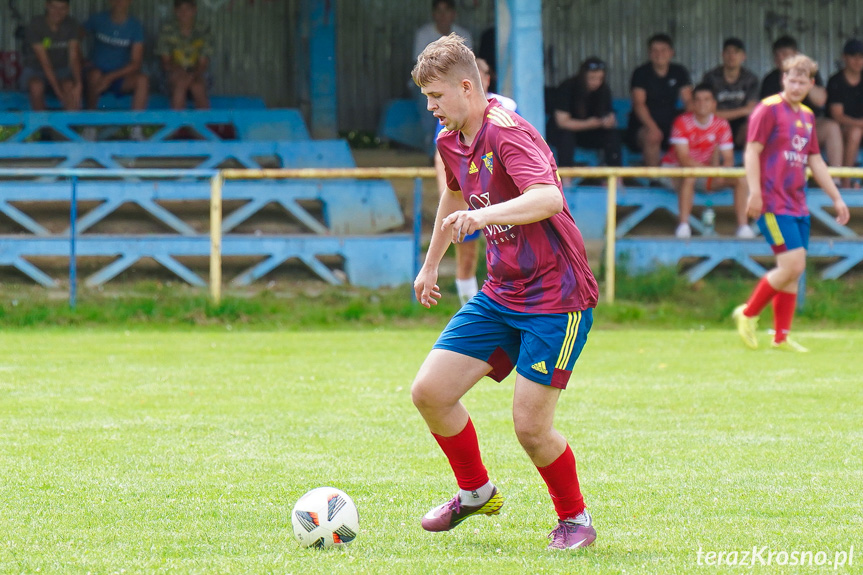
[
  {"x": 789, "y": 138},
  {"x": 536, "y": 268}
]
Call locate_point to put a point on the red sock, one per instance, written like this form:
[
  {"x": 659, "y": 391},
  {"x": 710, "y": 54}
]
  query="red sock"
[
  {"x": 562, "y": 481},
  {"x": 759, "y": 299},
  {"x": 784, "y": 305},
  {"x": 462, "y": 450}
]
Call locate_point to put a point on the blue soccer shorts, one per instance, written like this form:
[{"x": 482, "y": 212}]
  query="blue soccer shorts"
[
  {"x": 543, "y": 347},
  {"x": 785, "y": 233}
]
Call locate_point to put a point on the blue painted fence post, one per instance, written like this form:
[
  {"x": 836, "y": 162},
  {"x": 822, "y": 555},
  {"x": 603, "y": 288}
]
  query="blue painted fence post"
[{"x": 73, "y": 264}]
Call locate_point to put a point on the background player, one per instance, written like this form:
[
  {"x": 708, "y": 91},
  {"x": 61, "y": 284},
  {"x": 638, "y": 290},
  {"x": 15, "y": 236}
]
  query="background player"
[
  {"x": 466, "y": 251},
  {"x": 780, "y": 144},
  {"x": 533, "y": 312}
]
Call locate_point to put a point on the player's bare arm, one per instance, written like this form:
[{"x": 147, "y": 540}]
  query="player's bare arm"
[
  {"x": 822, "y": 176},
  {"x": 536, "y": 203},
  {"x": 751, "y": 161},
  {"x": 425, "y": 286}
]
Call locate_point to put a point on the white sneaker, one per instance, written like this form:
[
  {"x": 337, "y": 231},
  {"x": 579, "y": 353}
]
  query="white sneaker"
[
  {"x": 745, "y": 233},
  {"x": 683, "y": 231},
  {"x": 137, "y": 134},
  {"x": 90, "y": 134}
]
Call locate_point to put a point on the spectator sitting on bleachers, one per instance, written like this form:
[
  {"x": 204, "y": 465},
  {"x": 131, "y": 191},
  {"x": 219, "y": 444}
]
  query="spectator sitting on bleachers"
[
  {"x": 442, "y": 24},
  {"x": 117, "y": 58},
  {"x": 583, "y": 116},
  {"x": 657, "y": 87},
  {"x": 845, "y": 102},
  {"x": 53, "y": 57},
  {"x": 829, "y": 134},
  {"x": 185, "y": 48},
  {"x": 736, "y": 89},
  {"x": 700, "y": 138}
]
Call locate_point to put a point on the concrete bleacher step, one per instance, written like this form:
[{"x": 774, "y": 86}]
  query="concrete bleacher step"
[
  {"x": 20, "y": 101},
  {"x": 641, "y": 254},
  {"x": 368, "y": 261},
  {"x": 247, "y": 124}
]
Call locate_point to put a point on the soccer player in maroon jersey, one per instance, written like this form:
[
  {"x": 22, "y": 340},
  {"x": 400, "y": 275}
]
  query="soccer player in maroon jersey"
[
  {"x": 535, "y": 309},
  {"x": 781, "y": 142}
]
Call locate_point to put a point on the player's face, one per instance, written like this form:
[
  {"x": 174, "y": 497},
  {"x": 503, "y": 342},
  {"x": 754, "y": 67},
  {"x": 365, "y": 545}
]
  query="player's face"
[
  {"x": 660, "y": 54},
  {"x": 854, "y": 63},
  {"x": 703, "y": 103},
  {"x": 733, "y": 57},
  {"x": 447, "y": 100},
  {"x": 797, "y": 85},
  {"x": 594, "y": 79},
  {"x": 56, "y": 12}
]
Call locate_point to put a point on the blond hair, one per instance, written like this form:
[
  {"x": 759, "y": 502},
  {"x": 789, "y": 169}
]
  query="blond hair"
[
  {"x": 446, "y": 57},
  {"x": 800, "y": 63}
]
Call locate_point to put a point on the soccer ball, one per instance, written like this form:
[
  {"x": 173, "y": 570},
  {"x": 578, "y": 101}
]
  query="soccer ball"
[{"x": 325, "y": 517}]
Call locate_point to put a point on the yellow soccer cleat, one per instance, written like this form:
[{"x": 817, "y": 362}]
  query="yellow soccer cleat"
[
  {"x": 790, "y": 345},
  {"x": 746, "y": 327}
]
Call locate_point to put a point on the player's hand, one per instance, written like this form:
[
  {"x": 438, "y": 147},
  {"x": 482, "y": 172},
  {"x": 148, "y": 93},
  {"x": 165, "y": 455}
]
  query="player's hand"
[
  {"x": 609, "y": 121},
  {"x": 842, "y": 213},
  {"x": 753, "y": 207},
  {"x": 463, "y": 223},
  {"x": 426, "y": 289}
]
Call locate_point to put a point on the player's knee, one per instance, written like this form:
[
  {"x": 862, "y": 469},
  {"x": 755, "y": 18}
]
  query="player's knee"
[
  {"x": 532, "y": 435},
  {"x": 423, "y": 393},
  {"x": 853, "y": 136}
]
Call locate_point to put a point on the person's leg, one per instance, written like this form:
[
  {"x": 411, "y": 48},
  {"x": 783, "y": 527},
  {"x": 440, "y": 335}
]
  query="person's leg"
[
  {"x": 741, "y": 196},
  {"x": 443, "y": 379},
  {"x": 139, "y": 86},
  {"x": 789, "y": 239},
  {"x": 198, "y": 90},
  {"x": 550, "y": 347},
  {"x": 851, "y": 147},
  {"x": 466, "y": 254},
  {"x": 830, "y": 139},
  {"x": 94, "y": 90},
  {"x": 565, "y": 142},
  {"x": 685, "y": 196},
  {"x": 36, "y": 90},
  {"x": 650, "y": 145}
]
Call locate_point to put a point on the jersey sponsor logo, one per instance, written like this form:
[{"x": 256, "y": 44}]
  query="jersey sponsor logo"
[
  {"x": 496, "y": 233},
  {"x": 473, "y": 169},
  {"x": 795, "y": 157},
  {"x": 488, "y": 160},
  {"x": 540, "y": 367},
  {"x": 799, "y": 142}
]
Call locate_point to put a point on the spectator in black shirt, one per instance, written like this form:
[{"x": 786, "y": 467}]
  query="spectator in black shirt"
[
  {"x": 736, "y": 89},
  {"x": 829, "y": 134},
  {"x": 657, "y": 87},
  {"x": 583, "y": 115},
  {"x": 845, "y": 102}
]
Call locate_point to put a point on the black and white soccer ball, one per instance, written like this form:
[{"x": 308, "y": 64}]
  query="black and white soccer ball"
[{"x": 325, "y": 517}]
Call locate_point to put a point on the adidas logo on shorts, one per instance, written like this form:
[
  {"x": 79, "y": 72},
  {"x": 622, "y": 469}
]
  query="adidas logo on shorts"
[{"x": 540, "y": 367}]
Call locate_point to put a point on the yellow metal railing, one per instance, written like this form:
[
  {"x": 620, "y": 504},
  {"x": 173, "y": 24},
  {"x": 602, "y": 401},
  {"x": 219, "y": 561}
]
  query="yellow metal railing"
[{"x": 611, "y": 174}]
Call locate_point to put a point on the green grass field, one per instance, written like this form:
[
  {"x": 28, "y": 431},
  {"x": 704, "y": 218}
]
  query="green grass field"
[{"x": 184, "y": 451}]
